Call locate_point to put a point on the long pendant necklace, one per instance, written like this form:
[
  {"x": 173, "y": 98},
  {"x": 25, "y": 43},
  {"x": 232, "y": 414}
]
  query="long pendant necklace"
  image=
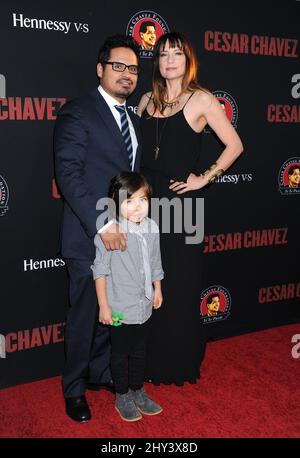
[{"x": 159, "y": 136}]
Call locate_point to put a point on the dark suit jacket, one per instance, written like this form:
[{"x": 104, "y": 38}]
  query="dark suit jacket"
[{"x": 89, "y": 150}]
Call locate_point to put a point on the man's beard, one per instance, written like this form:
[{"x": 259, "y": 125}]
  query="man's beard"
[{"x": 125, "y": 92}]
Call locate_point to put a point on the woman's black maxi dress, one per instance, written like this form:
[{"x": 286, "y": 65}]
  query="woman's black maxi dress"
[{"x": 176, "y": 344}]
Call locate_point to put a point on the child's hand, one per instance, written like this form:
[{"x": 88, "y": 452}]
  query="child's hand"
[
  {"x": 105, "y": 315},
  {"x": 157, "y": 299}
]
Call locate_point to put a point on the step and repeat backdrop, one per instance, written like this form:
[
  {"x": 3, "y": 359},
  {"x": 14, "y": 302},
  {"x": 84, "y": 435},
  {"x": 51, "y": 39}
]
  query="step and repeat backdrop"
[{"x": 250, "y": 60}]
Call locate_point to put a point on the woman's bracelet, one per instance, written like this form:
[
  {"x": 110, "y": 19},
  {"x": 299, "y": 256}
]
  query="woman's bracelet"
[
  {"x": 212, "y": 167},
  {"x": 216, "y": 174}
]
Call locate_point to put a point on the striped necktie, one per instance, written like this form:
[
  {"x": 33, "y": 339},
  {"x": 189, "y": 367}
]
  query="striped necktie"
[{"x": 125, "y": 131}]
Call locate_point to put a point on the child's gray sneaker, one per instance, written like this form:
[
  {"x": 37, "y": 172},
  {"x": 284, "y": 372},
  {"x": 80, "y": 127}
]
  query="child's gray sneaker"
[
  {"x": 144, "y": 403},
  {"x": 126, "y": 407}
]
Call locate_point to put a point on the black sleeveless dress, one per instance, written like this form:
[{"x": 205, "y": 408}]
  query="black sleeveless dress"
[{"x": 176, "y": 344}]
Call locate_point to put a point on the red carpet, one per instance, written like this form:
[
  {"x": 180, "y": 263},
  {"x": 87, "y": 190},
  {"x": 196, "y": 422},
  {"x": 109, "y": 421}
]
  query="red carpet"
[{"x": 249, "y": 388}]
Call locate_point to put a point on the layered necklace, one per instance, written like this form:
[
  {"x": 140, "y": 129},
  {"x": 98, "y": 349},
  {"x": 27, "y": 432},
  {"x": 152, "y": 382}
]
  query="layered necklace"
[{"x": 170, "y": 105}]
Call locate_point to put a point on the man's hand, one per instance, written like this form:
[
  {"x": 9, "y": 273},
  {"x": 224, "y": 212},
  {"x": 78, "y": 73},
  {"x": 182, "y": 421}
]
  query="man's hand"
[{"x": 114, "y": 238}]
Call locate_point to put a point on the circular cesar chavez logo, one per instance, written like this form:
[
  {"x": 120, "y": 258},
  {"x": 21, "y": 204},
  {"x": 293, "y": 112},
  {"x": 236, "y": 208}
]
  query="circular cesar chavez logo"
[
  {"x": 215, "y": 304},
  {"x": 146, "y": 27},
  {"x": 289, "y": 177},
  {"x": 229, "y": 105},
  {"x": 4, "y": 194}
]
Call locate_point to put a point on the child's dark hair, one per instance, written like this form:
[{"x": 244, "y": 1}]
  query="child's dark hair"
[{"x": 124, "y": 185}]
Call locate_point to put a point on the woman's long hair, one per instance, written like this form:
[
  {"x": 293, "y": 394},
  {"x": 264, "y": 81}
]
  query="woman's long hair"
[{"x": 189, "y": 83}]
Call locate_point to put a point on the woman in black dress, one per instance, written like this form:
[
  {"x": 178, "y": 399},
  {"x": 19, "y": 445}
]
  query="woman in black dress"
[{"x": 173, "y": 117}]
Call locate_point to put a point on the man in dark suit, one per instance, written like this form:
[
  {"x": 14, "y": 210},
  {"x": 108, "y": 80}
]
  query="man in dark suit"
[{"x": 95, "y": 138}]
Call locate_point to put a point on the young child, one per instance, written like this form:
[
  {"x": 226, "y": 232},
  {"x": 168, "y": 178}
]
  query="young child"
[{"x": 129, "y": 282}]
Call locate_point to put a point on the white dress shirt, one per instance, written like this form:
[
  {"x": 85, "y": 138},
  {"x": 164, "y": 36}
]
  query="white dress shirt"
[{"x": 111, "y": 102}]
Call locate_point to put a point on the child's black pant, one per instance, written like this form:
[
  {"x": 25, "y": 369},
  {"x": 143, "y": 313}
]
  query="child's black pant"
[{"x": 128, "y": 357}]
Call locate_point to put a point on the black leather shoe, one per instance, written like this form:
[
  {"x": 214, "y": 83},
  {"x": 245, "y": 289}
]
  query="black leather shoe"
[
  {"x": 77, "y": 408},
  {"x": 109, "y": 386}
]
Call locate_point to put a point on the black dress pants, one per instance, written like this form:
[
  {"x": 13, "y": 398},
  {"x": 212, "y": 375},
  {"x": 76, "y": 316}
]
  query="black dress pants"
[
  {"x": 128, "y": 355},
  {"x": 87, "y": 342}
]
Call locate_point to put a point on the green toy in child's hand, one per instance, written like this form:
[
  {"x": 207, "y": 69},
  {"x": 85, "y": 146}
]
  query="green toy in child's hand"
[{"x": 117, "y": 318}]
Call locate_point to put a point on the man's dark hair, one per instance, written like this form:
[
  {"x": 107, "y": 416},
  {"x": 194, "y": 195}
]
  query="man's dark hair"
[
  {"x": 144, "y": 25},
  {"x": 124, "y": 185},
  {"x": 116, "y": 41},
  {"x": 211, "y": 296},
  {"x": 293, "y": 168}
]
